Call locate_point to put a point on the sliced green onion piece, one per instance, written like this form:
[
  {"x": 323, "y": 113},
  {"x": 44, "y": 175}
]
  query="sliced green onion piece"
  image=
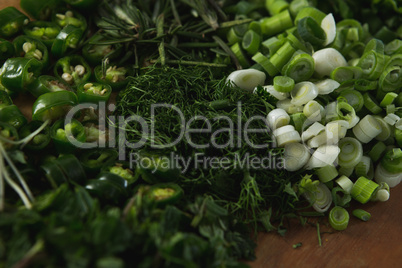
[
  {"x": 383, "y": 175},
  {"x": 393, "y": 47},
  {"x": 321, "y": 198},
  {"x": 329, "y": 26},
  {"x": 288, "y": 137},
  {"x": 251, "y": 42},
  {"x": 365, "y": 85},
  {"x": 344, "y": 111},
  {"x": 318, "y": 140},
  {"x": 276, "y": 6},
  {"x": 398, "y": 136},
  {"x": 283, "y": 83},
  {"x": 385, "y": 129},
  {"x": 327, "y": 60},
  {"x": 354, "y": 98},
  {"x": 312, "y": 12},
  {"x": 278, "y": 118},
  {"x": 388, "y": 99},
  {"x": 298, "y": 120},
  {"x": 365, "y": 168},
  {"x": 303, "y": 92},
  {"x": 272, "y": 91},
  {"x": 382, "y": 193},
  {"x": 390, "y": 109},
  {"x": 363, "y": 189},
  {"x": 272, "y": 44},
  {"x": 392, "y": 160},
  {"x": 312, "y": 131},
  {"x": 323, "y": 156},
  {"x": 372, "y": 65},
  {"x": 300, "y": 67},
  {"x": 342, "y": 199},
  {"x": 361, "y": 214},
  {"x": 326, "y": 86},
  {"x": 296, "y": 155},
  {"x": 310, "y": 31},
  {"x": 345, "y": 183},
  {"x": 336, "y": 130},
  {"x": 351, "y": 152},
  {"x": 276, "y": 24},
  {"x": 375, "y": 45},
  {"x": 343, "y": 171},
  {"x": 296, "y": 43},
  {"x": 247, "y": 79},
  {"x": 265, "y": 63},
  {"x": 346, "y": 73},
  {"x": 377, "y": 151},
  {"x": 371, "y": 104},
  {"x": 338, "y": 218},
  {"x": 240, "y": 55},
  {"x": 391, "y": 119},
  {"x": 390, "y": 79},
  {"x": 367, "y": 129},
  {"x": 326, "y": 173},
  {"x": 313, "y": 111},
  {"x": 282, "y": 56}
]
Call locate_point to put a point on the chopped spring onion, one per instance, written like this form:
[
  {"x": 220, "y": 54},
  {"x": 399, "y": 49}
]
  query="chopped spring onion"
[
  {"x": 296, "y": 156},
  {"x": 335, "y": 131},
  {"x": 363, "y": 189},
  {"x": 313, "y": 111},
  {"x": 273, "y": 92},
  {"x": 310, "y": 11},
  {"x": 276, "y": 24},
  {"x": 361, "y": 214},
  {"x": 346, "y": 73},
  {"x": 341, "y": 199},
  {"x": 326, "y": 86},
  {"x": 326, "y": 173},
  {"x": 300, "y": 67},
  {"x": 276, "y": 6},
  {"x": 365, "y": 168},
  {"x": 298, "y": 120},
  {"x": 329, "y": 26},
  {"x": 318, "y": 140},
  {"x": 278, "y": 118},
  {"x": 312, "y": 131},
  {"x": 354, "y": 98},
  {"x": 285, "y": 135},
  {"x": 391, "y": 119},
  {"x": 283, "y": 83},
  {"x": 323, "y": 156},
  {"x": 321, "y": 199},
  {"x": 372, "y": 64},
  {"x": 240, "y": 55},
  {"x": 385, "y": 129},
  {"x": 351, "y": 152},
  {"x": 371, "y": 104},
  {"x": 264, "y": 62},
  {"x": 310, "y": 31},
  {"x": 338, "y": 218},
  {"x": 392, "y": 160},
  {"x": 367, "y": 129},
  {"x": 382, "y": 193},
  {"x": 388, "y": 99},
  {"x": 377, "y": 151},
  {"x": 383, "y": 175},
  {"x": 343, "y": 171},
  {"x": 251, "y": 42},
  {"x": 345, "y": 183},
  {"x": 283, "y": 55},
  {"x": 326, "y": 60},
  {"x": 247, "y": 79},
  {"x": 303, "y": 92},
  {"x": 390, "y": 79}
]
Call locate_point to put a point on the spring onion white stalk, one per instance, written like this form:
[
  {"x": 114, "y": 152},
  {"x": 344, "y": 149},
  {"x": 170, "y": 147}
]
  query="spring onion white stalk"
[
  {"x": 326, "y": 86},
  {"x": 296, "y": 155},
  {"x": 385, "y": 129},
  {"x": 312, "y": 131},
  {"x": 303, "y": 92},
  {"x": 335, "y": 131},
  {"x": 313, "y": 111},
  {"x": 278, "y": 118},
  {"x": 286, "y": 134},
  {"x": 391, "y": 119},
  {"x": 247, "y": 79},
  {"x": 365, "y": 168},
  {"x": 329, "y": 26},
  {"x": 278, "y": 95},
  {"x": 317, "y": 141},
  {"x": 351, "y": 152},
  {"x": 290, "y": 108},
  {"x": 382, "y": 175},
  {"x": 367, "y": 129},
  {"x": 323, "y": 156},
  {"x": 382, "y": 194},
  {"x": 326, "y": 60},
  {"x": 398, "y": 124}
]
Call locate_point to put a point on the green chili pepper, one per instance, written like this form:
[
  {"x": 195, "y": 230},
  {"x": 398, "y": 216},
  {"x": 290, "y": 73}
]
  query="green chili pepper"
[
  {"x": 94, "y": 51},
  {"x": 47, "y": 83},
  {"x": 40, "y": 9},
  {"x": 114, "y": 76},
  {"x": 74, "y": 70},
  {"x": 39, "y": 141},
  {"x": 54, "y": 174},
  {"x": 19, "y": 72},
  {"x": 86, "y": 5},
  {"x": 12, "y": 115},
  {"x": 123, "y": 170},
  {"x": 5, "y": 98},
  {"x": 93, "y": 92},
  {"x": 53, "y": 105},
  {"x": 95, "y": 132},
  {"x": 62, "y": 133},
  {"x": 163, "y": 194},
  {"x": 9, "y": 132},
  {"x": 45, "y": 31},
  {"x": 68, "y": 37},
  {"x": 71, "y": 168},
  {"x": 11, "y": 21},
  {"x": 6, "y": 49},
  {"x": 93, "y": 160},
  {"x": 31, "y": 48},
  {"x": 64, "y": 17},
  {"x": 157, "y": 168}
]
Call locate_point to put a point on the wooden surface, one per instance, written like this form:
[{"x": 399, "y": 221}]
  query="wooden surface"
[{"x": 376, "y": 243}]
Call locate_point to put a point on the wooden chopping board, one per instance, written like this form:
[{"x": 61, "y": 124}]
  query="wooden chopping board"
[{"x": 376, "y": 243}]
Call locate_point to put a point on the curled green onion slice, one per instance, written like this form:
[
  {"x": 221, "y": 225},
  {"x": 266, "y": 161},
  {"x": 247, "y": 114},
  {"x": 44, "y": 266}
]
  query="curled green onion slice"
[{"x": 338, "y": 218}]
